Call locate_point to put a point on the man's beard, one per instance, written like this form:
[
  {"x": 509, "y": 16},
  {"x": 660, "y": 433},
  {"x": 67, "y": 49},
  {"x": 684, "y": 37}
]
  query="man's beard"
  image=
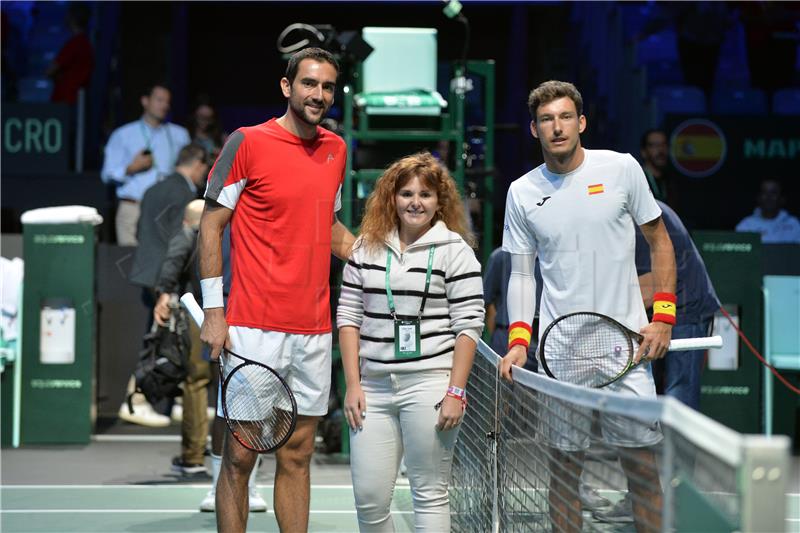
[
  {"x": 565, "y": 156},
  {"x": 300, "y": 112}
]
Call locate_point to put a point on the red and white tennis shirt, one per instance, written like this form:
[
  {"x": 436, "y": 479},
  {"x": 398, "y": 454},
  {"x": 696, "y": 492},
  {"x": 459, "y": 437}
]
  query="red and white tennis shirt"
[{"x": 284, "y": 191}]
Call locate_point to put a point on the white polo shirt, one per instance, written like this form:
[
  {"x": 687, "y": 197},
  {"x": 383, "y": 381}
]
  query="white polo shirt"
[{"x": 581, "y": 226}]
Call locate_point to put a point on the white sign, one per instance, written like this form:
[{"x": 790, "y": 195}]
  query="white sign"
[{"x": 57, "y": 336}]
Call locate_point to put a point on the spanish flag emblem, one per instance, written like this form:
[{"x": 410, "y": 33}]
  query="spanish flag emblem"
[{"x": 596, "y": 189}]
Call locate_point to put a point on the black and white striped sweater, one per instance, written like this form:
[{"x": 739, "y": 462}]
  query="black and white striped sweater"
[{"x": 454, "y": 305}]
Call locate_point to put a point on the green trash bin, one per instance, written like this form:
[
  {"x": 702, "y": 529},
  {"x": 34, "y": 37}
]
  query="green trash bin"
[{"x": 58, "y": 325}]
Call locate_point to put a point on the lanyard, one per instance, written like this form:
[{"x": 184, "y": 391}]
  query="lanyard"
[
  {"x": 427, "y": 280},
  {"x": 148, "y": 138}
]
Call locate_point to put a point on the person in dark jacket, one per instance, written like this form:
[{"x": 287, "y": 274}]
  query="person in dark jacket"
[
  {"x": 178, "y": 274},
  {"x": 162, "y": 210}
]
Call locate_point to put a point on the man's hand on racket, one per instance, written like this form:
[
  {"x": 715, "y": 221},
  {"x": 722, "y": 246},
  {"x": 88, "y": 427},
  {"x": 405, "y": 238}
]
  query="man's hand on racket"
[
  {"x": 516, "y": 356},
  {"x": 215, "y": 331},
  {"x": 355, "y": 407},
  {"x": 655, "y": 344},
  {"x": 450, "y": 413}
]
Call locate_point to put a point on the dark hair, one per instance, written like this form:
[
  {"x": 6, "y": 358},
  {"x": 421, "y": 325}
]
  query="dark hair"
[
  {"x": 147, "y": 90},
  {"x": 317, "y": 54},
  {"x": 553, "y": 90},
  {"x": 214, "y": 128},
  {"x": 190, "y": 153},
  {"x": 776, "y": 181},
  {"x": 79, "y": 13},
  {"x": 648, "y": 133}
]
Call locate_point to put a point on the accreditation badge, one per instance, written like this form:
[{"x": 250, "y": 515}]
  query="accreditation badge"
[{"x": 406, "y": 339}]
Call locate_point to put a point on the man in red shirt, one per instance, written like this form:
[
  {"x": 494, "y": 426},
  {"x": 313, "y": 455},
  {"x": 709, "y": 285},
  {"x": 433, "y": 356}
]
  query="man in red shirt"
[
  {"x": 71, "y": 70},
  {"x": 278, "y": 184}
]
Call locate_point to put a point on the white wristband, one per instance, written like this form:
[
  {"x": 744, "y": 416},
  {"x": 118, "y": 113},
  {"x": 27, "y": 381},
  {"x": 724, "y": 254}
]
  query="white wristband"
[
  {"x": 458, "y": 391},
  {"x": 212, "y": 292}
]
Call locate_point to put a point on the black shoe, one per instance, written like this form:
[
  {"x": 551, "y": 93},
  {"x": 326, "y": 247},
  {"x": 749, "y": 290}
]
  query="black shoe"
[
  {"x": 178, "y": 465},
  {"x": 621, "y": 513}
]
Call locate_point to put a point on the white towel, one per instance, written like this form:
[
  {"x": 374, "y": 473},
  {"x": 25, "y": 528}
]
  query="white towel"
[
  {"x": 64, "y": 214},
  {"x": 11, "y": 273}
]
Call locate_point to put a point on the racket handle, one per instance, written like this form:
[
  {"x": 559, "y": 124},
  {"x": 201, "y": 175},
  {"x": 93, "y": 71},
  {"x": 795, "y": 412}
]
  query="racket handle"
[
  {"x": 698, "y": 343},
  {"x": 191, "y": 305}
]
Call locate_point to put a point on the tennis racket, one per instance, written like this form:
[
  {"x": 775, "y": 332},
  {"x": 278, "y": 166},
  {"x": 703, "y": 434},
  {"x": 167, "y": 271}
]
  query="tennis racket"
[
  {"x": 258, "y": 405},
  {"x": 594, "y": 350}
]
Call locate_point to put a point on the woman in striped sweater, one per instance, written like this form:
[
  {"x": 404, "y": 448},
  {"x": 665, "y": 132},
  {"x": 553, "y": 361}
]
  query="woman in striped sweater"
[{"x": 409, "y": 317}]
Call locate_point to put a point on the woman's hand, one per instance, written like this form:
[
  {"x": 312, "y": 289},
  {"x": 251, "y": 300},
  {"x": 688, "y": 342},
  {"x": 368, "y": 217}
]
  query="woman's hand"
[
  {"x": 450, "y": 413},
  {"x": 355, "y": 407}
]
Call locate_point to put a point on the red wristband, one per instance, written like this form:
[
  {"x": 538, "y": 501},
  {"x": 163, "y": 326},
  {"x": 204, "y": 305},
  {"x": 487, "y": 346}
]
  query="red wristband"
[
  {"x": 463, "y": 399},
  {"x": 519, "y": 333},
  {"x": 664, "y": 307}
]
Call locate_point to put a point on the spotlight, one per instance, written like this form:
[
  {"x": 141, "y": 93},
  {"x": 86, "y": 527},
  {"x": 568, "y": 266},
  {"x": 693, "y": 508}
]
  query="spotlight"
[{"x": 452, "y": 9}]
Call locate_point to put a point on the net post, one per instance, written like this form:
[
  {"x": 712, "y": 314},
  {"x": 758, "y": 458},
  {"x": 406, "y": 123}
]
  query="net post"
[{"x": 763, "y": 477}]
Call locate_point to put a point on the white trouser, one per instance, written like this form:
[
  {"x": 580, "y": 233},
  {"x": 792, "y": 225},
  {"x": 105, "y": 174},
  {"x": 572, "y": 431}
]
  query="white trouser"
[
  {"x": 401, "y": 419},
  {"x": 127, "y": 222}
]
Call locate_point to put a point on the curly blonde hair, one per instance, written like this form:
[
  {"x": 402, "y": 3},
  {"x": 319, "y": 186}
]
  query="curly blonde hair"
[{"x": 380, "y": 216}]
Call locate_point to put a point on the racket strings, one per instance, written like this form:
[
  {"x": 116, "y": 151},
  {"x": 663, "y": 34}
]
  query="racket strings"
[
  {"x": 586, "y": 350},
  {"x": 258, "y": 406}
]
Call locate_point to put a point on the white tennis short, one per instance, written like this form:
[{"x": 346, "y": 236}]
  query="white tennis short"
[
  {"x": 567, "y": 427},
  {"x": 304, "y": 361}
]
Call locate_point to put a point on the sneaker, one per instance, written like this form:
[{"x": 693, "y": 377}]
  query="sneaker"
[
  {"x": 177, "y": 413},
  {"x": 621, "y": 513},
  {"x": 257, "y": 503},
  {"x": 144, "y": 415},
  {"x": 181, "y": 466},
  {"x": 209, "y": 503},
  {"x": 590, "y": 498}
]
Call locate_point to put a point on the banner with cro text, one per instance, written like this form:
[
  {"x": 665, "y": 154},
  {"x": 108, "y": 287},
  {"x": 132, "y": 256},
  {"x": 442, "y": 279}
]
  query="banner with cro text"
[{"x": 36, "y": 138}]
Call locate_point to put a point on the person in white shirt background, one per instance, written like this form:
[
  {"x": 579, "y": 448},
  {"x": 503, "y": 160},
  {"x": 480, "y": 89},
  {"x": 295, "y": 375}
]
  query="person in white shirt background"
[{"x": 775, "y": 224}]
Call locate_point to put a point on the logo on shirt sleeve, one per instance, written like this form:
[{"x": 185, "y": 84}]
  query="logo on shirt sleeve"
[{"x": 540, "y": 204}]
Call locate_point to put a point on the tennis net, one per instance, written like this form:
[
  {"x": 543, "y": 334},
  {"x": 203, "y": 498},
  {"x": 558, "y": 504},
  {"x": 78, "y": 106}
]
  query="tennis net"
[{"x": 541, "y": 455}]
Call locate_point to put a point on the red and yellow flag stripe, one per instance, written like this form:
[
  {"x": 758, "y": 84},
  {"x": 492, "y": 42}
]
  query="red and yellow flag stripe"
[
  {"x": 664, "y": 307},
  {"x": 519, "y": 333},
  {"x": 597, "y": 188}
]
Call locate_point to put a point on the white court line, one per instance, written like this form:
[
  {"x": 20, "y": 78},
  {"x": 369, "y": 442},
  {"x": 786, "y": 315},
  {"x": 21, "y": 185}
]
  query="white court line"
[
  {"x": 206, "y": 485},
  {"x": 188, "y": 511},
  {"x": 159, "y": 486},
  {"x": 162, "y": 511},
  {"x": 136, "y": 438}
]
